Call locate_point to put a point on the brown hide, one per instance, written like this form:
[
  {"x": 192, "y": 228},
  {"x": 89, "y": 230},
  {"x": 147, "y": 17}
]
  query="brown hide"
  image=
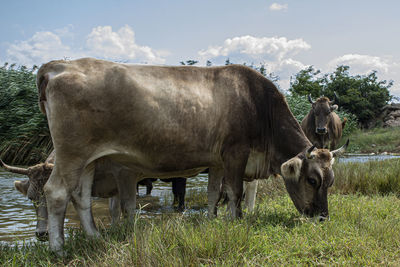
[
  {"x": 163, "y": 122},
  {"x": 322, "y": 125}
]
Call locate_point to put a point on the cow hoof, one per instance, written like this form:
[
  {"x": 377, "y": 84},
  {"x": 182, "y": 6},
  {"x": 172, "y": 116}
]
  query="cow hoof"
[{"x": 42, "y": 236}]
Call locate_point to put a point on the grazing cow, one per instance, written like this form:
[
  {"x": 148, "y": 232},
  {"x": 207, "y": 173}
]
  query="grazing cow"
[
  {"x": 322, "y": 125},
  {"x": 38, "y": 176},
  {"x": 40, "y": 173},
  {"x": 102, "y": 187},
  {"x": 165, "y": 121}
]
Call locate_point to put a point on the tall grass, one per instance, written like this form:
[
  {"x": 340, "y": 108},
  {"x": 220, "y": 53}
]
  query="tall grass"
[
  {"x": 375, "y": 140},
  {"x": 362, "y": 230},
  {"x": 370, "y": 178},
  {"x": 24, "y": 134}
]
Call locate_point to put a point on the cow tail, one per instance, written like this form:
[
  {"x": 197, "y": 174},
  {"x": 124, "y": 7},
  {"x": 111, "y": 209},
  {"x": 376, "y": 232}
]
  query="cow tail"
[
  {"x": 42, "y": 81},
  {"x": 344, "y": 122}
]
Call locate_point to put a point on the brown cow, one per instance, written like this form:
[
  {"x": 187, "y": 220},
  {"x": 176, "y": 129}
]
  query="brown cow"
[
  {"x": 40, "y": 173},
  {"x": 322, "y": 125},
  {"x": 163, "y": 122},
  {"x": 102, "y": 187}
]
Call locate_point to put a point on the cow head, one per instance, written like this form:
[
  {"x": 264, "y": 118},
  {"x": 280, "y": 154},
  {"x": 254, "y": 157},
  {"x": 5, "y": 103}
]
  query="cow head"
[
  {"x": 322, "y": 108},
  {"x": 307, "y": 179},
  {"x": 33, "y": 189}
]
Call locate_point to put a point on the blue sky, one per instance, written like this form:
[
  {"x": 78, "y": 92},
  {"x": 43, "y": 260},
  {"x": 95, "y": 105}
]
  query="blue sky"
[{"x": 287, "y": 36}]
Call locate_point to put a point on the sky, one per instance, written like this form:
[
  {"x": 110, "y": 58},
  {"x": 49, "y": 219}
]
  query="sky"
[{"x": 286, "y": 36}]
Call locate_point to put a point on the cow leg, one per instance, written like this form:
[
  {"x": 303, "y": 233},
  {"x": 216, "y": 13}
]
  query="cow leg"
[
  {"x": 214, "y": 191},
  {"x": 250, "y": 194},
  {"x": 179, "y": 190},
  {"x": 235, "y": 161},
  {"x": 114, "y": 205},
  {"x": 57, "y": 196},
  {"x": 126, "y": 183},
  {"x": 82, "y": 200},
  {"x": 149, "y": 186}
]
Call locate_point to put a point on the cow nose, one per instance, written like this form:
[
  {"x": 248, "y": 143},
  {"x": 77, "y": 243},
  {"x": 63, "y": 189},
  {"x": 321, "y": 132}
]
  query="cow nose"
[
  {"x": 42, "y": 235},
  {"x": 321, "y": 131}
]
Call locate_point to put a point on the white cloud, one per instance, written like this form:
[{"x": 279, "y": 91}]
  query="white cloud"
[
  {"x": 120, "y": 45},
  {"x": 362, "y": 63},
  {"x": 102, "y": 42},
  {"x": 276, "y": 53},
  {"x": 278, "y": 7},
  {"x": 42, "y": 47},
  {"x": 271, "y": 47},
  {"x": 386, "y": 67}
]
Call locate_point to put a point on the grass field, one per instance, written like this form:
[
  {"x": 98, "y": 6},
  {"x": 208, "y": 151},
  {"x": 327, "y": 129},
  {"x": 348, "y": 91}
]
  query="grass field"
[
  {"x": 376, "y": 140},
  {"x": 364, "y": 229}
]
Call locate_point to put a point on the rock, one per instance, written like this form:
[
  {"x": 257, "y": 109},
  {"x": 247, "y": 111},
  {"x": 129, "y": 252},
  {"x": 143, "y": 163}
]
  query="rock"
[
  {"x": 392, "y": 123},
  {"x": 389, "y": 117}
]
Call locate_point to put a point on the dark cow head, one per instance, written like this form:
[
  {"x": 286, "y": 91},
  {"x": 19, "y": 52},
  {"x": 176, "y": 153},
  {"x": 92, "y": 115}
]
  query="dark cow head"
[
  {"x": 307, "y": 178},
  {"x": 33, "y": 189},
  {"x": 322, "y": 108}
]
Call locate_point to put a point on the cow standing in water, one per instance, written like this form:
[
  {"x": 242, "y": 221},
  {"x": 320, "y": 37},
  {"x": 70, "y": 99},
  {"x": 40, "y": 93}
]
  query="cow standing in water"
[
  {"x": 163, "y": 122},
  {"x": 322, "y": 125},
  {"x": 104, "y": 187}
]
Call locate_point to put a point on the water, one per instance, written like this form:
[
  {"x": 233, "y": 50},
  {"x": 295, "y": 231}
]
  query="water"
[
  {"x": 18, "y": 218},
  {"x": 365, "y": 158}
]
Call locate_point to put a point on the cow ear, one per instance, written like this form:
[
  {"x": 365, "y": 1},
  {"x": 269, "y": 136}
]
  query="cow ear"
[
  {"x": 22, "y": 186},
  {"x": 291, "y": 168},
  {"x": 334, "y": 107}
]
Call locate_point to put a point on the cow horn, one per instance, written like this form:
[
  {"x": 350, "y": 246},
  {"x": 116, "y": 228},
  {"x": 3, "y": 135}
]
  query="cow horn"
[
  {"x": 309, "y": 99},
  {"x": 334, "y": 98},
  {"x": 341, "y": 150},
  {"x": 308, "y": 152},
  {"x": 14, "y": 169}
]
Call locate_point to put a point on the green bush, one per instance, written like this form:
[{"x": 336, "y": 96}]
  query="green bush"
[{"x": 24, "y": 134}]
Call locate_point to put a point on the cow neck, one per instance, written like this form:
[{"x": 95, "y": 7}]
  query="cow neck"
[{"x": 288, "y": 138}]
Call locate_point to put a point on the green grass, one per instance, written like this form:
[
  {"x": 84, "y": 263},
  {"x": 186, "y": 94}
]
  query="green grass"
[
  {"x": 376, "y": 140},
  {"x": 370, "y": 178},
  {"x": 363, "y": 230}
]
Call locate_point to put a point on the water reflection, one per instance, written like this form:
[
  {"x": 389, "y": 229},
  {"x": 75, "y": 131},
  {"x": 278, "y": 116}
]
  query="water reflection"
[
  {"x": 18, "y": 218},
  {"x": 364, "y": 158}
]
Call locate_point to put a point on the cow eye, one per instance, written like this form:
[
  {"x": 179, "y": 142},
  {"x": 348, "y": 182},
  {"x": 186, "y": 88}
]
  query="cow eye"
[{"x": 311, "y": 181}]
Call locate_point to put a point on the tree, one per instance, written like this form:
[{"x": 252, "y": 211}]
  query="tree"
[
  {"x": 307, "y": 82},
  {"x": 189, "y": 62},
  {"x": 361, "y": 95}
]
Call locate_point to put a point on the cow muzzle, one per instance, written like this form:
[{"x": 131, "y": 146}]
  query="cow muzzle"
[{"x": 321, "y": 130}]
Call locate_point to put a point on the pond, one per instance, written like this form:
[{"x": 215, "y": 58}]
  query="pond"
[
  {"x": 18, "y": 218},
  {"x": 365, "y": 158}
]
